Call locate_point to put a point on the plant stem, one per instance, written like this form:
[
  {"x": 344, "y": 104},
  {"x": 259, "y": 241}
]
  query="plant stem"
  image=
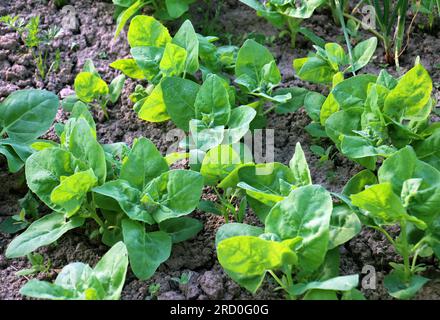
[
  {"x": 293, "y": 25},
  {"x": 405, "y": 250},
  {"x": 386, "y": 234},
  {"x": 374, "y": 32},
  {"x": 340, "y": 13}
]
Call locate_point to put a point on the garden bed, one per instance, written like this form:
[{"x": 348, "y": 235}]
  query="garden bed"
[{"x": 197, "y": 257}]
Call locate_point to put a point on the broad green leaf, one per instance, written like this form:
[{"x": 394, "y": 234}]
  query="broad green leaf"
[
  {"x": 352, "y": 92},
  {"x": 336, "y": 55},
  {"x": 129, "y": 67},
  {"x": 181, "y": 229},
  {"x": 343, "y": 283},
  {"x": 173, "y": 60},
  {"x": 304, "y": 213},
  {"x": 44, "y": 170},
  {"x": 410, "y": 95},
  {"x": 128, "y": 198},
  {"x": 146, "y": 250},
  {"x": 42, "y": 232},
  {"x": 153, "y": 108},
  {"x": 143, "y": 164},
  {"x": 81, "y": 110},
  {"x": 89, "y": 87},
  {"x": 253, "y": 256},
  {"x": 84, "y": 147},
  {"x": 234, "y": 229},
  {"x": 251, "y": 59},
  {"x": 344, "y": 225},
  {"x": 147, "y": 31},
  {"x": 317, "y": 294},
  {"x": 262, "y": 181},
  {"x": 363, "y": 52},
  {"x": 295, "y": 102},
  {"x": 313, "y": 102},
  {"x": 298, "y": 165},
  {"x": 72, "y": 191},
  {"x": 133, "y": 7},
  {"x": 356, "y": 147},
  {"x": 358, "y": 182},
  {"x": 111, "y": 270},
  {"x": 212, "y": 102},
  {"x": 186, "y": 37},
  {"x": 179, "y": 96},
  {"x": 27, "y": 114},
  {"x": 397, "y": 288},
  {"x": 148, "y": 60},
  {"x": 176, "y": 8},
  {"x": 218, "y": 163},
  {"x": 205, "y": 137},
  {"x": 239, "y": 123},
  {"x": 384, "y": 205},
  {"x": 45, "y": 290},
  {"x": 428, "y": 149},
  {"x": 314, "y": 69},
  {"x": 15, "y": 163},
  {"x": 176, "y": 192},
  {"x": 329, "y": 107}
]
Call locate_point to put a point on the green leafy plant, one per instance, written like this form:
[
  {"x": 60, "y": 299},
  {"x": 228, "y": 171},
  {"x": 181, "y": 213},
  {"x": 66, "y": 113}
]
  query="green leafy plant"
[
  {"x": 171, "y": 64},
  {"x": 36, "y": 40},
  {"x": 286, "y": 13},
  {"x": 298, "y": 247},
  {"x": 25, "y": 115},
  {"x": 90, "y": 88},
  {"x": 130, "y": 193},
  {"x": 38, "y": 265},
  {"x": 163, "y": 10},
  {"x": 406, "y": 194},
  {"x": 29, "y": 211},
  {"x": 430, "y": 8},
  {"x": 329, "y": 64},
  {"x": 78, "y": 281},
  {"x": 370, "y": 116}
]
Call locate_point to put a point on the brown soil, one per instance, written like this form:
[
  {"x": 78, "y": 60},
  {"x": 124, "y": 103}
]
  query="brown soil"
[{"x": 93, "y": 40}]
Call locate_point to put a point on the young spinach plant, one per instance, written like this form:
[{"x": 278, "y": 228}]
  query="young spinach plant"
[
  {"x": 90, "y": 88},
  {"x": 369, "y": 117},
  {"x": 130, "y": 193},
  {"x": 406, "y": 194},
  {"x": 78, "y": 281},
  {"x": 286, "y": 13}
]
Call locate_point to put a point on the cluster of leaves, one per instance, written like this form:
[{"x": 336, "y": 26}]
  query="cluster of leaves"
[
  {"x": 170, "y": 66},
  {"x": 163, "y": 10},
  {"x": 288, "y": 13},
  {"x": 24, "y": 116},
  {"x": 130, "y": 193},
  {"x": 37, "y": 41},
  {"x": 78, "y": 281},
  {"x": 90, "y": 88},
  {"x": 369, "y": 116},
  {"x": 301, "y": 235},
  {"x": 407, "y": 193}
]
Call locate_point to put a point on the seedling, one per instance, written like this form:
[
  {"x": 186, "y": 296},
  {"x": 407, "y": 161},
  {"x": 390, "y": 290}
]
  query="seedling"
[
  {"x": 91, "y": 89},
  {"x": 38, "y": 265},
  {"x": 36, "y": 40}
]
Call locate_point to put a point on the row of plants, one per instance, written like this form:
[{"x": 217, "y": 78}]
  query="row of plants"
[{"x": 131, "y": 199}]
